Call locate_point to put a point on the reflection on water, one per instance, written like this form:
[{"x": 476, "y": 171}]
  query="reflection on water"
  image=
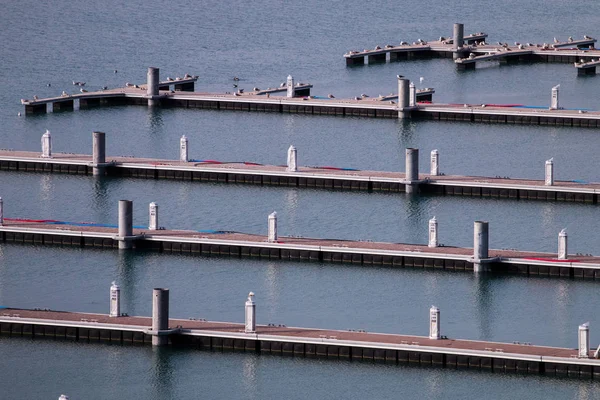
[
  {"x": 127, "y": 279},
  {"x": 249, "y": 379},
  {"x": 482, "y": 293},
  {"x": 162, "y": 372}
]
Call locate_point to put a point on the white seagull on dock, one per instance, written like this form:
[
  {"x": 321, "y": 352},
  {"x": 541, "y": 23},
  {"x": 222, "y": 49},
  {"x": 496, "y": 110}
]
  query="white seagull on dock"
[
  {"x": 556, "y": 40},
  {"x": 331, "y": 96},
  {"x": 24, "y": 101},
  {"x": 421, "y": 79},
  {"x": 35, "y": 98},
  {"x": 64, "y": 94},
  {"x": 170, "y": 79},
  {"x": 127, "y": 84},
  {"x": 82, "y": 90}
]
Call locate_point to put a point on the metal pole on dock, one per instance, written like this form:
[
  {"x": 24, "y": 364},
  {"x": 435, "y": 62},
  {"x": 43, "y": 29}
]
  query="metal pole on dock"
[
  {"x": 183, "y": 149},
  {"x": 549, "y": 178},
  {"x": 403, "y": 97},
  {"x": 412, "y": 95},
  {"x": 584, "y": 340},
  {"x": 152, "y": 85},
  {"x": 47, "y": 144},
  {"x": 458, "y": 35},
  {"x": 433, "y": 232},
  {"x": 250, "y": 314},
  {"x": 1, "y": 211},
  {"x": 291, "y": 90},
  {"x": 125, "y": 223},
  {"x": 160, "y": 316},
  {"x": 98, "y": 152},
  {"x": 554, "y": 104},
  {"x": 292, "y": 159},
  {"x": 435, "y": 162},
  {"x": 153, "y": 216},
  {"x": 480, "y": 244},
  {"x": 115, "y": 300},
  {"x": 562, "y": 245},
  {"x": 434, "y": 323},
  {"x": 272, "y": 227},
  {"x": 412, "y": 169}
]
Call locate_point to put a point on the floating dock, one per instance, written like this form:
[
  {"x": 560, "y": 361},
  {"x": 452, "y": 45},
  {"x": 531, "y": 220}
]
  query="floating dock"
[{"x": 302, "y": 342}]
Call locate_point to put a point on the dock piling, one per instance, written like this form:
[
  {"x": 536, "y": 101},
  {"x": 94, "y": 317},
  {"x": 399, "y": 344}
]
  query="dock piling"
[
  {"x": 403, "y": 97},
  {"x": 183, "y": 149},
  {"x": 434, "y": 323},
  {"x": 562, "y": 245},
  {"x": 292, "y": 160},
  {"x": 250, "y": 314},
  {"x": 115, "y": 300},
  {"x": 554, "y": 104},
  {"x": 291, "y": 90},
  {"x": 435, "y": 163},
  {"x": 433, "y": 232},
  {"x": 98, "y": 153},
  {"x": 480, "y": 244},
  {"x": 584, "y": 340},
  {"x": 125, "y": 223},
  {"x": 153, "y": 216},
  {"x": 272, "y": 227},
  {"x": 160, "y": 316},
  {"x": 152, "y": 85},
  {"x": 412, "y": 170},
  {"x": 458, "y": 35},
  {"x": 1, "y": 211},
  {"x": 47, "y": 144},
  {"x": 549, "y": 179}
]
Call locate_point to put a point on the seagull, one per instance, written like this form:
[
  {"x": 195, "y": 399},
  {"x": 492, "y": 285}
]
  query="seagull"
[
  {"x": 136, "y": 86},
  {"x": 235, "y": 78},
  {"x": 24, "y": 101},
  {"x": 421, "y": 79},
  {"x": 35, "y": 97},
  {"x": 19, "y": 114},
  {"x": 586, "y": 37},
  {"x": 170, "y": 79},
  {"x": 49, "y": 85},
  {"x": 282, "y": 84},
  {"x": 377, "y": 47},
  {"x": 75, "y": 83},
  {"x": 331, "y": 96},
  {"x": 556, "y": 40},
  {"x": 64, "y": 94},
  {"x": 399, "y": 76},
  {"x": 357, "y": 98},
  {"x": 235, "y": 85},
  {"x": 187, "y": 76},
  {"x": 115, "y": 71},
  {"x": 127, "y": 84},
  {"x": 364, "y": 95},
  {"x": 570, "y": 39},
  {"x": 104, "y": 87},
  {"x": 256, "y": 89},
  {"x": 82, "y": 90}
]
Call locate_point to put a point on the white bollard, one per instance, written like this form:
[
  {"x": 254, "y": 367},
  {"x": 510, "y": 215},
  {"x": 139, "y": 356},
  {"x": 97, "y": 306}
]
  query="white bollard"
[
  {"x": 272, "y": 227},
  {"x": 250, "y": 314},
  {"x": 584, "y": 340},
  {"x": 554, "y": 104},
  {"x": 412, "y": 95},
  {"x": 434, "y": 323},
  {"x": 46, "y": 145},
  {"x": 291, "y": 90},
  {"x": 433, "y": 233},
  {"x": 435, "y": 162},
  {"x": 115, "y": 300},
  {"x": 183, "y": 149},
  {"x": 549, "y": 175},
  {"x": 153, "y": 216},
  {"x": 562, "y": 245},
  {"x": 1, "y": 211},
  {"x": 292, "y": 160}
]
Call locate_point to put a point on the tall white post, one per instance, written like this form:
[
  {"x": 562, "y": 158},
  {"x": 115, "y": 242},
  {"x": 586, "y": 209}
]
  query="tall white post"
[
  {"x": 480, "y": 244},
  {"x": 183, "y": 149},
  {"x": 412, "y": 95},
  {"x": 584, "y": 340},
  {"x": 549, "y": 179},
  {"x": 291, "y": 90},
  {"x": 46, "y": 145},
  {"x": 250, "y": 314},
  {"x": 562, "y": 245},
  {"x": 433, "y": 232},
  {"x": 272, "y": 227},
  {"x": 435, "y": 162},
  {"x": 292, "y": 159},
  {"x": 554, "y": 104},
  {"x": 153, "y": 216},
  {"x": 1, "y": 211},
  {"x": 115, "y": 300},
  {"x": 434, "y": 323}
]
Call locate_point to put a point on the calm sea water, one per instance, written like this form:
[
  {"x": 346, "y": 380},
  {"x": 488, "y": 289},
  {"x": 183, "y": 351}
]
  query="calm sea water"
[{"x": 262, "y": 42}]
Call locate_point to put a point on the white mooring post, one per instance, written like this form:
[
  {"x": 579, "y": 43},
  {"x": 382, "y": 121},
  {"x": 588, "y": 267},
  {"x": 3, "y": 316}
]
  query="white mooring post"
[
  {"x": 554, "y": 104},
  {"x": 433, "y": 232},
  {"x": 292, "y": 159},
  {"x": 584, "y": 340},
  {"x": 183, "y": 149},
  {"x": 1, "y": 211},
  {"x": 412, "y": 95},
  {"x": 562, "y": 245},
  {"x": 272, "y": 227},
  {"x": 549, "y": 175},
  {"x": 47, "y": 144},
  {"x": 153, "y": 216},
  {"x": 435, "y": 163},
  {"x": 291, "y": 90},
  {"x": 434, "y": 323},
  {"x": 115, "y": 300},
  {"x": 250, "y": 314}
]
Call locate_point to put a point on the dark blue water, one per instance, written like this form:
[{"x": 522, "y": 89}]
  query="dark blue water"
[{"x": 57, "y": 43}]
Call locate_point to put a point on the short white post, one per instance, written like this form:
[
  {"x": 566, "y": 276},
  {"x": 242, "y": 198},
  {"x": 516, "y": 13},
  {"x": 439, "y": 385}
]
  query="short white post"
[
  {"x": 584, "y": 340},
  {"x": 153, "y": 216},
  {"x": 554, "y": 104},
  {"x": 549, "y": 179},
  {"x": 115, "y": 300},
  {"x": 272, "y": 227},
  {"x": 183, "y": 149},
  {"x": 292, "y": 159},
  {"x": 433, "y": 232},
  {"x": 250, "y": 314},
  {"x": 435, "y": 162},
  {"x": 434, "y": 323},
  {"x": 1, "y": 211},
  {"x": 562, "y": 245},
  {"x": 412, "y": 95},
  {"x": 291, "y": 90},
  {"x": 46, "y": 145}
]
